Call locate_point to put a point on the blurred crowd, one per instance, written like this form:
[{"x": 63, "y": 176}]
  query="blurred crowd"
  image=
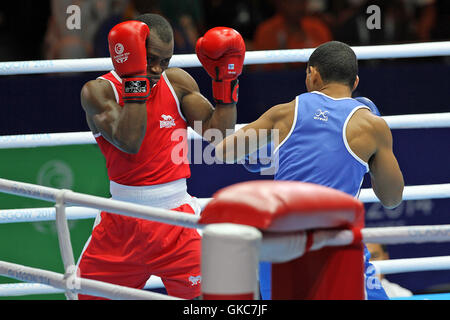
[{"x": 32, "y": 30}]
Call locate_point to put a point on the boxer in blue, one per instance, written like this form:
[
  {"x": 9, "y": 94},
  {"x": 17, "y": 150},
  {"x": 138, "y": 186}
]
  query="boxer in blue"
[{"x": 328, "y": 138}]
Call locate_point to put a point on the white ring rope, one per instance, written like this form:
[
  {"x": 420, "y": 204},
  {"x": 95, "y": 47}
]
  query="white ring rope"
[
  {"x": 433, "y": 191},
  {"x": 79, "y": 285},
  {"x": 26, "y": 288},
  {"x": 46, "y": 140},
  {"x": 45, "y": 214},
  {"x": 411, "y": 121},
  {"x": 419, "y": 121},
  {"x": 30, "y": 288},
  {"x": 85, "y": 200},
  {"x": 420, "y": 192},
  {"x": 407, "y": 234},
  {"x": 411, "y": 50},
  {"x": 411, "y": 265},
  {"x": 392, "y": 266},
  {"x": 48, "y": 213}
]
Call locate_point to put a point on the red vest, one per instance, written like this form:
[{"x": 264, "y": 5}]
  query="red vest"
[{"x": 163, "y": 154}]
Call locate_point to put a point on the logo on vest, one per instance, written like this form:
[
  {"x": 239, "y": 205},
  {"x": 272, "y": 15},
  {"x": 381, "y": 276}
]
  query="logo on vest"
[
  {"x": 321, "y": 115},
  {"x": 166, "y": 122},
  {"x": 120, "y": 57},
  {"x": 195, "y": 280}
]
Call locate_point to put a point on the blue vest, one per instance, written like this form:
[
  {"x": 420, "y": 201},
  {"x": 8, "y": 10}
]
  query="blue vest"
[{"x": 316, "y": 148}]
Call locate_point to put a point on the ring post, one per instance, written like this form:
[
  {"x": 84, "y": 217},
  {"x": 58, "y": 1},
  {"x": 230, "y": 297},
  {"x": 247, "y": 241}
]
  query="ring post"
[{"x": 229, "y": 263}]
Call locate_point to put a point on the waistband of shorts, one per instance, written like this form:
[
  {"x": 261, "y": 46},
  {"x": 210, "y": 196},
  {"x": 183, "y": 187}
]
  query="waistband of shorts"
[{"x": 167, "y": 195}]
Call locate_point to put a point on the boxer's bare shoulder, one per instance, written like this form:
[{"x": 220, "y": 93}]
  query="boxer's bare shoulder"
[{"x": 95, "y": 94}]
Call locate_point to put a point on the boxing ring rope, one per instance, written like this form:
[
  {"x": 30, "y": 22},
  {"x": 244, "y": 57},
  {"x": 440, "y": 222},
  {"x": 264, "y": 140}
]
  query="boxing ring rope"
[
  {"x": 411, "y": 50},
  {"x": 88, "y": 286},
  {"x": 411, "y": 121},
  {"x": 85, "y": 200},
  {"x": 432, "y": 191},
  {"x": 419, "y": 192},
  {"x": 383, "y": 235},
  {"x": 411, "y": 265},
  {"x": 391, "y": 266}
]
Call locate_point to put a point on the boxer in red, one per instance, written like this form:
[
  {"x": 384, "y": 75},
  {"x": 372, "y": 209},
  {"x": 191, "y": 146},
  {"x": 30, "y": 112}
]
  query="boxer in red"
[{"x": 133, "y": 112}]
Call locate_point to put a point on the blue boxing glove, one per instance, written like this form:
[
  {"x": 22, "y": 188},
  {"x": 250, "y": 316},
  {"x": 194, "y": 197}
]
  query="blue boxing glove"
[
  {"x": 259, "y": 160},
  {"x": 370, "y": 104}
]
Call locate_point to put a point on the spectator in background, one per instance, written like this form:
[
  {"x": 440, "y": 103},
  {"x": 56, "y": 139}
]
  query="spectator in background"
[
  {"x": 15, "y": 18},
  {"x": 423, "y": 14},
  {"x": 290, "y": 28},
  {"x": 99, "y": 16},
  {"x": 242, "y": 15},
  {"x": 348, "y": 20},
  {"x": 129, "y": 10},
  {"x": 393, "y": 290},
  {"x": 401, "y": 21},
  {"x": 186, "y": 17},
  {"x": 62, "y": 42},
  {"x": 441, "y": 28}
]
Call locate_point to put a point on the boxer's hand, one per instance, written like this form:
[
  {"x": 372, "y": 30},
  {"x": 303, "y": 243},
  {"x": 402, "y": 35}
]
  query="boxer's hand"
[
  {"x": 129, "y": 57},
  {"x": 370, "y": 104},
  {"x": 222, "y": 51}
]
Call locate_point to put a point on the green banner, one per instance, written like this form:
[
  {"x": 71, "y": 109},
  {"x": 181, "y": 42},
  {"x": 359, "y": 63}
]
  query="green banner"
[{"x": 79, "y": 168}]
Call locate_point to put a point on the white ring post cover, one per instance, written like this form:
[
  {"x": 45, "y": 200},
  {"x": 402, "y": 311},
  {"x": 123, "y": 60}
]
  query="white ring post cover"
[{"x": 229, "y": 263}]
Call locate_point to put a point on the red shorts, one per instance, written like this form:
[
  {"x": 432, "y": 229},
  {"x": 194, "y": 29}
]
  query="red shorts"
[{"x": 127, "y": 251}]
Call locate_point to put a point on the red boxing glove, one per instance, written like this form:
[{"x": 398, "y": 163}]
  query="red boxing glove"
[
  {"x": 222, "y": 51},
  {"x": 129, "y": 57}
]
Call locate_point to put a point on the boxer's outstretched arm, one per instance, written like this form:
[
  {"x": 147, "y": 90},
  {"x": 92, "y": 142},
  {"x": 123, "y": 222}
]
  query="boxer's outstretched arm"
[{"x": 249, "y": 139}]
